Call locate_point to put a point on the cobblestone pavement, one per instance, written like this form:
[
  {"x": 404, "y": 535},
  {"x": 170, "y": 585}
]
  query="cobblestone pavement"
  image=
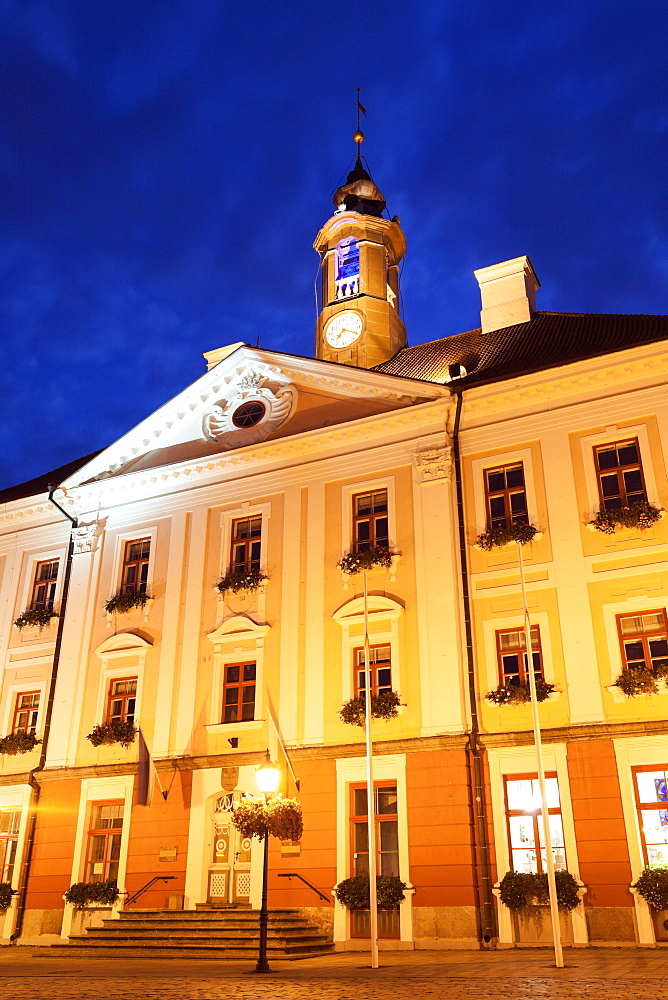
[{"x": 605, "y": 974}]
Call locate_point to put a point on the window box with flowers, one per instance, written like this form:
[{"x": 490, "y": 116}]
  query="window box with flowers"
[
  {"x": 634, "y": 681},
  {"x": 652, "y": 885},
  {"x": 354, "y": 892},
  {"x": 640, "y": 515},
  {"x": 507, "y": 534},
  {"x": 6, "y": 895},
  {"x": 115, "y": 731},
  {"x": 236, "y": 581},
  {"x": 122, "y": 604},
  {"x": 16, "y": 743},
  {"x": 367, "y": 560},
  {"x": 35, "y": 618},
  {"x": 384, "y": 705},
  {"x": 521, "y": 890},
  {"x": 82, "y": 894},
  {"x": 520, "y": 694}
]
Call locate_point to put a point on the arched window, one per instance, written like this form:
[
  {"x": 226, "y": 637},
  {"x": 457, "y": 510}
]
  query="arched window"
[{"x": 347, "y": 268}]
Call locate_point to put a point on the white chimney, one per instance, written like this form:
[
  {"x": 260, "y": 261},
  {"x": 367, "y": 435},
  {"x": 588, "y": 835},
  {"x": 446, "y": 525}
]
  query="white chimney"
[{"x": 508, "y": 292}]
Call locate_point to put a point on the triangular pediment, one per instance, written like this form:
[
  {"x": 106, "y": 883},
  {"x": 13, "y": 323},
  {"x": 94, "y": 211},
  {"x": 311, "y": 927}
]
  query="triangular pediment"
[{"x": 250, "y": 396}]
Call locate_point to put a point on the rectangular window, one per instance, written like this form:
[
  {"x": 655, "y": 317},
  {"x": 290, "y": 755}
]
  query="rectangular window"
[
  {"x": 525, "y": 823},
  {"x": 239, "y": 692},
  {"x": 370, "y": 524},
  {"x": 619, "y": 474},
  {"x": 643, "y": 639},
  {"x": 246, "y": 544},
  {"x": 380, "y": 663},
  {"x": 104, "y": 841},
  {"x": 387, "y": 850},
  {"x": 26, "y": 710},
  {"x": 9, "y": 835},
  {"x": 651, "y": 786},
  {"x": 135, "y": 566},
  {"x": 44, "y": 585},
  {"x": 512, "y": 658},
  {"x": 505, "y": 496},
  {"x": 122, "y": 700}
]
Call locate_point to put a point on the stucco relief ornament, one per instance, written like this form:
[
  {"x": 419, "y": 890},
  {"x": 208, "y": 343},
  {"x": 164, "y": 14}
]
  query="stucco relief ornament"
[
  {"x": 86, "y": 535},
  {"x": 259, "y": 402},
  {"x": 433, "y": 464}
]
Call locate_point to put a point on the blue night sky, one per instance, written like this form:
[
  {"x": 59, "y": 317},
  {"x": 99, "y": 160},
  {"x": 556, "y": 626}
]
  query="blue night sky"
[{"x": 166, "y": 164}]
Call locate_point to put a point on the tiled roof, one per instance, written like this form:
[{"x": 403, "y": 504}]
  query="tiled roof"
[
  {"x": 548, "y": 340},
  {"x": 41, "y": 483}
]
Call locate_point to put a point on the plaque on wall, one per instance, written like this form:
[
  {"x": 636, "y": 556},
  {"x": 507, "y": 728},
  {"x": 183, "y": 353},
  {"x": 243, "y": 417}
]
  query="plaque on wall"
[{"x": 229, "y": 778}]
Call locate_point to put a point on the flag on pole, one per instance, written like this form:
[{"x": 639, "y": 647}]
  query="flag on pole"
[
  {"x": 147, "y": 776},
  {"x": 361, "y": 106}
]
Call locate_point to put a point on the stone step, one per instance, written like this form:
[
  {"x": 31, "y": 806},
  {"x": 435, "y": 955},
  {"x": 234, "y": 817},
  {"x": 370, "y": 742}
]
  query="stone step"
[
  {"x": 178, "y": 941},
  {"x": 217, "y": 954},
  {"x": 109, "y": 923},
  {"x": 100, "y": 934},
  {"x": 211, "y": 914}
]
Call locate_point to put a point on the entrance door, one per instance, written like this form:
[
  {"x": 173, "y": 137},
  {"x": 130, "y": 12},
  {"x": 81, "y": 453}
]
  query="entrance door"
[{"x": 229, "y": 873}]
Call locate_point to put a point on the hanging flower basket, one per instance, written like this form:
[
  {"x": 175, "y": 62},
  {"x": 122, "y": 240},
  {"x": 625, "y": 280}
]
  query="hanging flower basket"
[
  {"x": 120, "y": 604},
  {"x": 519, "y": 694},
  {"x": 383, "y": 706},
  {"x": 355, "y": 562},
  {"x": 652, "y": 885},
  {"x": 519, "y": 890},
  {"x": 354, "y": 893},
  {"x": 635, "y": 681},
  {"x": 34, "y": 619},
  {"x": 6, "y": 893},
  {"x": 82, "y": 893},
  {"x": 282, "y": 818},
  {"x": 234, "y": 581},
  {"x": 124, "y": 733},
  {"x": 18, "y": 743},
  {"x": 641, "y": 515},
  {"x": 503, "y": 534}
]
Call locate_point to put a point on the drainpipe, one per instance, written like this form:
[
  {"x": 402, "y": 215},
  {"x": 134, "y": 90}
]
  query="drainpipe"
[
  {"x": 35, "y": 787},
  {"x": 474, "y": 748}
]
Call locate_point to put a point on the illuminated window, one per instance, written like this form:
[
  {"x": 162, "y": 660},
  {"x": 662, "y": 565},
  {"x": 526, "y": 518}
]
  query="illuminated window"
[
  {"x": 387, "y": 850},
  {"x": 370, "y": 525},
  {"x": 619, "y": 473},
  {"x": 505, "y": 496},
  {"x": 26, "y": 711},
  {"x": 511, "y": 655},
  {"x": 44, "y": 585},
  {"x": 239, "y": 692},
  {"x": 643, "y": 640},
  {"x": 651, "y": 786},
  {"x": 525, "y": 823},
  {"x": 246, "y": 544},
  {"x": 347, "y": 268},
  {"x": 135, "y": 566},
  {"x": 122, "y": 700},
  {"x": 380, "y": 662},
  {"x": 104, "y": 841},
  {"x": 248, "y": 414},
  {"x": 9, "y": 835}
]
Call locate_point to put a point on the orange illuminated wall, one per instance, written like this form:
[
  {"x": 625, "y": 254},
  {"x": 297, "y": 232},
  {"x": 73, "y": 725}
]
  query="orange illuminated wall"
[
  {"x": 53, "y": 852},
  {"x": 599, "y": 823},
  {"x": 163, "y": 824}
]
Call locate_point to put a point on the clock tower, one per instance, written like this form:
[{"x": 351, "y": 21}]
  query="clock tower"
[{"x": 360, "y": 250}]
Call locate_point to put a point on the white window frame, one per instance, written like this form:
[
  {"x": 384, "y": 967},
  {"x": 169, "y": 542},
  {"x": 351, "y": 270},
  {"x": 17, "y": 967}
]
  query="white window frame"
[
  {"x": 123, "y": 645},
  {"x": 614, "y": 433},
  {"x": 478, "y": 467},
  {"x": 383, "y": 611},
  {"x": 32, "y": 558},
  {"x": 504, "y": 763},
  {"x": 228, "y": 517},
  {"x": 99, "y": 790},
  {"x": 629, "y": 606},
  {"x": 352, "y": 770},
  {"x": 237, "y": 639},
  {"x": 20, "y": 687},
  {"x": 132, "y": 536},
  {"x": 367, "y": 486},
  {"x": 14, "y": 798},
  {"x": 515, "y": 621}
]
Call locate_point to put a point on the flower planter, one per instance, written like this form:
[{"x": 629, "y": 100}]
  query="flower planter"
[
  {"x": 123, "y": 604},
  {"x": 281, "y": 817},
  {"x": 16, "y": 743},
  {"x": 236, "y": 583},
  {"x": 383, "y": 706},
  {"x": 34, "y": 619},
  {"x": 509, "y": 534},
  {"x": 640, "y": 516},
  {"x": 519, "y": 694},
  {"x": 124, "y": 733}
]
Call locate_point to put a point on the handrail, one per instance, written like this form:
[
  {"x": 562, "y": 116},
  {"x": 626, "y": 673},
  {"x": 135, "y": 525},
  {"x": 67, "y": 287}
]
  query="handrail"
[
  {"x": 135, "y": 895},
  {"x": 306, "y": 882}
]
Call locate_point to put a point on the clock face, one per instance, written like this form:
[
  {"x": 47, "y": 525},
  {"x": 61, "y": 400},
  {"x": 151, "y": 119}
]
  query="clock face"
[{"x": 343, "y": 329}]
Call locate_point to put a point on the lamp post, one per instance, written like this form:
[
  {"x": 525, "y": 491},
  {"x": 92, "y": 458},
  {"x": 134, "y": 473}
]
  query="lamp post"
[{"x": 267, "y": 775}]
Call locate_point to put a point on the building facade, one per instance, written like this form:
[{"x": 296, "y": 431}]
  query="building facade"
[{"x": 271, "y": 467}]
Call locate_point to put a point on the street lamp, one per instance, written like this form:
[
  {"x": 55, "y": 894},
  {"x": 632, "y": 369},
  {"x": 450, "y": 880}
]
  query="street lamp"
[{"x": 268, "y": 775}]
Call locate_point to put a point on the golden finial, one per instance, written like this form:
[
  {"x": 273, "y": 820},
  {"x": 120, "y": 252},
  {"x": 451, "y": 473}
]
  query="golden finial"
[{"x": 358, "y": 137}]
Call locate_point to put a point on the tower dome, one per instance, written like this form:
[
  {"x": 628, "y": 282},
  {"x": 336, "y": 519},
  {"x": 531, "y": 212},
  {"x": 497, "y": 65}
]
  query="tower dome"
[{"x": 359, "y": 193}]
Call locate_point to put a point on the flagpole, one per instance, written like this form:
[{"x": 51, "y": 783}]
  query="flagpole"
[
  {"x": 549, "y": 857},
  {"x": 370, "y": 796}
]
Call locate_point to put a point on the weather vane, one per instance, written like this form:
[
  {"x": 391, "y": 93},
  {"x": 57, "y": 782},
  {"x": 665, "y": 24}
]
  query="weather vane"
[{"x": 359, "y": 135}]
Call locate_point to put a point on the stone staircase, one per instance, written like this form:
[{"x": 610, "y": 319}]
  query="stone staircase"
[{"x": 202, "y": 933}]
